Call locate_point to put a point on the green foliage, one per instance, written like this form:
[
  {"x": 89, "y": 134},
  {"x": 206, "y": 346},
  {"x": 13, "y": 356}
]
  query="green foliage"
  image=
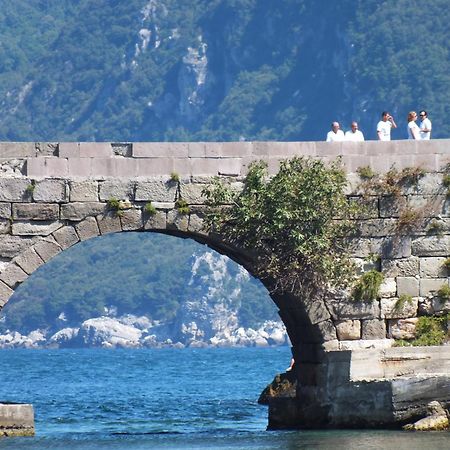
[
  {"x": 402, "y": 301},
  {"x": 447, "y": 263},
  {"x": 115, "y": 206},
  {"x": 367, "y": 287},
  {"x": 182, "y": 206},
  {"x": 430, "y": 331},
  {"x": 175, "y": 177},
  {"x": 444, "y": 292},
  {"x": 365, "y": 172},
  {"x": 288, "y": 222},
  {"x": 436, "y": 227},
  {"x": 31, "y": 187},
  {"x": 150, "y": 209}
]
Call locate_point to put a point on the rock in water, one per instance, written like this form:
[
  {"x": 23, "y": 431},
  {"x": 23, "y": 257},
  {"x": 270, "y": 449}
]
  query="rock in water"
[{"x": 436, "y": 420}]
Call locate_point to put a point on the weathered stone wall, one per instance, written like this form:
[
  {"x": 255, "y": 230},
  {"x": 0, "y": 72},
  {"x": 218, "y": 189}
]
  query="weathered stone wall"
[{"x": 54, "y": 195}]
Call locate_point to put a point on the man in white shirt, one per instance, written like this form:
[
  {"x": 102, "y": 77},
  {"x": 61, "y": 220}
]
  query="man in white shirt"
[
  {"x": 425, "y": 126},
  {"x": 354, "y": 134},
  {"x": 336, "y": 134},
  {"x": 384, "y": 126}
]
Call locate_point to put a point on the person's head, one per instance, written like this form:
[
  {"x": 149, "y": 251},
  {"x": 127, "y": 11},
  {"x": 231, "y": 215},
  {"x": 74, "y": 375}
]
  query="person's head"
[
  {"x": 385, "y": 116},
  {"x": 423, "y": 115},
  {"x": 335, "y": 126},
  {"x": 354, "y": 127},
  {"x": 412, "y": 115}
]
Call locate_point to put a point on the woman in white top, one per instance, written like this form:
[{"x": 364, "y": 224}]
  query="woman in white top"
[{"x": 413, "y": 129}]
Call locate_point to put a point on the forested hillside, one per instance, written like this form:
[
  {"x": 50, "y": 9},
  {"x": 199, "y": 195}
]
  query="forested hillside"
[
  {"x": 219, "y": 69},
  {"x": 143, "y": 274}
]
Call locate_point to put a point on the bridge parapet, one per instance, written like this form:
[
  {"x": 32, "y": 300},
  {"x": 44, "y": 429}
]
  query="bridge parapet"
[{"x": 105, "y": 159}]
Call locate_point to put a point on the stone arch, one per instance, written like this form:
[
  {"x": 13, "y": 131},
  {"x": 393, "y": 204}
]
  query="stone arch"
[{"x": 308, "y": 323}]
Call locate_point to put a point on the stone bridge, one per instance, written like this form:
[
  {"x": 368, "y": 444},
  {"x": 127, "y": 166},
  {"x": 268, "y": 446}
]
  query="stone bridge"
[{"x": 347, "y": 372}]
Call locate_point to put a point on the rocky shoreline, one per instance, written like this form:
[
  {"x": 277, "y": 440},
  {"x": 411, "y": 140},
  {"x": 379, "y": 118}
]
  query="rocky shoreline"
[{"x": 140, "y": 332}]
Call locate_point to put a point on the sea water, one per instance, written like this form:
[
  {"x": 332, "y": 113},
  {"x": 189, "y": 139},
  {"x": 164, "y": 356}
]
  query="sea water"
[{"x": 165, "y": 399}]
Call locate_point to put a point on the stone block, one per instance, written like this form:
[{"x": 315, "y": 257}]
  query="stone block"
[
  {"x": 103, "y": 167},
  {"x": 14, "y": 189},
  {"x": 182, "y": 167},
  {"x": 88, "y": 228},
  {"x": 196, "y": 223},
  {"x": 430, "y": 184},
  {"x": 197, "y": 149},
  {"x": 29, "y": 261},
  {"x": 430, "y": 205},
  {"x": 369, "y": 207},
  {"x": 408, "y": 286},
  {"x": 5, "y": 210},
  {"x": 348, "y": 329},
  {"x": 408, "y": 267},
  {"x": 192, "y": 193},
  {"x": 79, "y": 211},
  {"x": 433, "y": 267},
  {"x": 120, "y": 190},
  {"x": 83, "y": 191},
  {"x": 156, "y": 191},
  {"x": 17, "y": 149},
  {"x": 55, "y": 167},
  {"x": 391, "y": 308},
  {"x": 428, "y": 285},
  {"x": 377, "y": 227},
  {"x": 126, "y": 167},
  {"x": 66, "y": 237},
  {"x": 80, "y": 167},
  {"x": 431, "y": 246},
  {"x": 396, "y": 247},
  {"x": 365, "y": 247},
  {"x": 35, "y": 168},
  {"x": 441, "y": 306},
  {"x": 50, "y": 191},
  {"x": 46, "y": 148},
  {"x": 69, "y": 150},
  {"x": 109, "y": 223},
  {"x": 177, "y": 221},
  {"x": 148, "y": 167},
  {"x": 317, "y": 311},
  {"x": 388, "y": 288},
  {"x": 373, "y": 329},
  {"x": 402, "y": 328},
  {"x": 216, "y": 166},
  {"x": 41, "y": 228},
  {"x": 157, "y": 221},
  {"x": 391, "y": 206},
  {"x": 5, "y": 293},
  {"x": 11, "y": 246},
  {"x": 95, "y": 150},
  {"x": 13, "y": 275},
  {"x": 160, "y": 149},
  {"x": 344, "y": 310},
  {"x": 47, "y": 249},
  {"x": 35, "y": 211},
  {"x": 12, "y": 167},
  {"x": 5, "y": 226},
  {"x": 327, "y": 330},
  {"x": 131, "y": 219}
]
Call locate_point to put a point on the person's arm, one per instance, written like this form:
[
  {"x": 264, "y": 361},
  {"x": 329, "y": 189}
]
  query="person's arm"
[
  {"x": 426, "y": 129},
  {"x": 391, "y": 119},
  {"x": 415, "y": 133}
]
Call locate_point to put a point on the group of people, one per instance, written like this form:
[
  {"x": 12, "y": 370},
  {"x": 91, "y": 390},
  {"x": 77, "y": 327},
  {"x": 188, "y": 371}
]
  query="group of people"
[{"x": 384, "y": 127}]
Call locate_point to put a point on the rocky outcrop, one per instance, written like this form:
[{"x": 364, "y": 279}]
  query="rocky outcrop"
[
  {"x": 140, "y": 332},
  {"x": 436, "y": 419}
]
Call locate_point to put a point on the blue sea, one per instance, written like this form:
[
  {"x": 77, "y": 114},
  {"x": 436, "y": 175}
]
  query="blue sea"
[{"x": 165, "y": 399}]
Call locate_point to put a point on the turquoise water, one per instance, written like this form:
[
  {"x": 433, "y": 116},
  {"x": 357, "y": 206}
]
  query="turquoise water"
[{"x": 165, "y": 399}]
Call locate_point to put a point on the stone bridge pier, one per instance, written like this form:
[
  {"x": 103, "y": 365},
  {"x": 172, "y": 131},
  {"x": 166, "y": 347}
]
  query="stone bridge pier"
[{"x": 348, "y": 372}]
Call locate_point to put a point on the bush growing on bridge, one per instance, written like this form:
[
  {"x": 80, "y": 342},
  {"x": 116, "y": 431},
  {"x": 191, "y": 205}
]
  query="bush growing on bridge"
[{"x": 289, "y": 223}]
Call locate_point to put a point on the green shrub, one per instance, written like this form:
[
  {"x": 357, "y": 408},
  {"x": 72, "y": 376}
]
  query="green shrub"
[
  {"x": 150, "y": 209},
  {"x": 367, "y": 287},
  {"x": 115, "y": 206},
  {"x": 289, "y": 221},
  {"x": 401, "y": 301},
  {"x": 182, "y": 206},
  {"x": 447, "y": 263},
  {"x": 365, "y": 172},
  {"x": 175, "y": 177},
  {"x": 444, "y": 292},
  {"x": 430, "y": 331}
]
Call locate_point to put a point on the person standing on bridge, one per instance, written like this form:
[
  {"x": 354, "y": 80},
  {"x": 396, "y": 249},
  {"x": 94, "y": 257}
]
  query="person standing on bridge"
[
  {"x": 413, "y": 129},
  {"x": 336, "y": 134},
  {"x": 425, "y": 126},
  {"x": 354, "y": 134},
  {"x": 384, "y": 126}
]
